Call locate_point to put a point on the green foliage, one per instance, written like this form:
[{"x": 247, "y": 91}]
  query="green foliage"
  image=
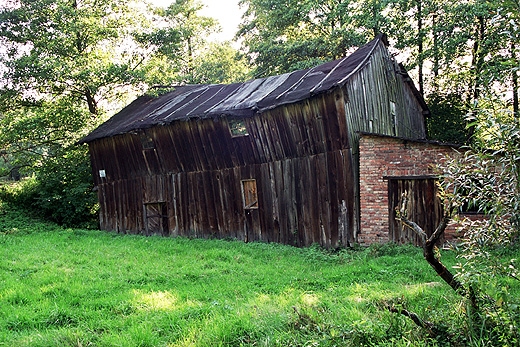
[
  {"x": 283, "y": 36},
  {"x": 60, "y": 191},
  {"x": 447, "y": 121},
  {"x": 487, "y": 176},
  {"x": 63, "y": 49},
  {"x": 64, "y": 190},
  {"x": 219, "y": 63}
]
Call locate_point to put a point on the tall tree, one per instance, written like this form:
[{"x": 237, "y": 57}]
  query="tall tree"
[
  {"x": 180, "y": 39},
  {"x": 287, "y": 35},
  {"x": 68, "y": 48}
]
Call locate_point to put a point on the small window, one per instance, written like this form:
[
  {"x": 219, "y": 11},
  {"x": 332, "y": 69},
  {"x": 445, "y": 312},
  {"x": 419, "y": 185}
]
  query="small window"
[
  {"x": 237, "y": 127},
  {"x": 392, "y": 108},
  {"x": 147, "y": 142},
  {"x": 394, "y": 117},
  {"x": 249, "y": 194}
]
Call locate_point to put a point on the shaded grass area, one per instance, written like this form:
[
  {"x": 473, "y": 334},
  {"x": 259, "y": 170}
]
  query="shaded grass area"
[{"x": 71, "y": 287}]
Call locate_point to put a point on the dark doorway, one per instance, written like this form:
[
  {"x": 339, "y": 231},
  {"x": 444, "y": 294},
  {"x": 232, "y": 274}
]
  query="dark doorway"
[{"x": 424, "y": 207}]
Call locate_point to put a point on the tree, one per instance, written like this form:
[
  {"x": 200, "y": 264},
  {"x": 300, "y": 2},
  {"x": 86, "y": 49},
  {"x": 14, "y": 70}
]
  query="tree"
[
  {"x": 180, "y": 39},
  {"x": 68, "y": 48},
  {"x": 219, "y": 63},
  {"x": 283, "y": 36}
]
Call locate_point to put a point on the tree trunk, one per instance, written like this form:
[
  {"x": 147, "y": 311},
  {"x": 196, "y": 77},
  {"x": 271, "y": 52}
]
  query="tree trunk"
[
  {"x": 91, "y": 101},
  {"x": 514, "y": 81},
  {"x": 420, "y": 46}
]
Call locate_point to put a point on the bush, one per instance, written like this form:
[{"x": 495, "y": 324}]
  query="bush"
[{"x": 59, "y": 191}]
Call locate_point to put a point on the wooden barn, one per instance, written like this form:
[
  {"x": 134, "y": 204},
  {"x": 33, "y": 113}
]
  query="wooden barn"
[{"x": 275, "y": 159}]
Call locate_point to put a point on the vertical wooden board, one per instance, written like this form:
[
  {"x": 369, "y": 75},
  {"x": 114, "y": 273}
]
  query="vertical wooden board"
[
  {"x": 268, "y": 128},
  {"x": 304, "y": 199},
  {"x": 255, "y": 136},
  {"x": 222, "y": 140},
  {"x": 283, "y": 125},
  {"x": 224, "y": 197},
  {"x": 315, "y": 125},
  {"x": 351, "y": 190},
  {"x": 273, "y": 133},
  {"x": 125, "y": 202},
  {"x": 211, "y": 203},
  {"x": 193, "y": 227},
  {"x": 179, "y": 146},
  {"x": 266, "y": 204},
  {"x": 216, "y": 215},
  {"x": 196, "y": 130},
  {"x": 185, "y": 141},
  {"x": 293, "y": 129},
  {"x": 102, "y": 206},
  {"x": 173, "y": 212},
  {"x": 329, "y": 104},
  {"x": 322, "y": 169},
  {"x": 259, "y": 213},
  {"x": 239, "y": 227},
  {"x": 290, "y": 202},
  {"x": 391, "y": 210},
  {"x": 334, "y": 203},
  {"x": 117, "y": 205},
  {"x": 108, "y": 207},
  {"x": 211, "y": 146},
  {"x": 280, "y": 197},
  {"x": 275, "y": 205},
  {"x": 199, "y": 205},
  {"x": 182, "y": 204},
  {"x": 340, "y": 191}
]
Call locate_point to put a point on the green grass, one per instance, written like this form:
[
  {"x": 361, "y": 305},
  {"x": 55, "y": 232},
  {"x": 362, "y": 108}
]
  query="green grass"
[{"x": 71, "y": 287}]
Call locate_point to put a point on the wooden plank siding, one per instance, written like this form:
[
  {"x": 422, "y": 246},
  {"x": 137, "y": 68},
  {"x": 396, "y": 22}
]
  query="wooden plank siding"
[
  {"x": 303, "y": 156},
  {"x": 424, "y": 207}
]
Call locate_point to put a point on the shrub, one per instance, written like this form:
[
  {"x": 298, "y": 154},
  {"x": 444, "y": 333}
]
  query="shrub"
[{"x": 60, "y": 190}]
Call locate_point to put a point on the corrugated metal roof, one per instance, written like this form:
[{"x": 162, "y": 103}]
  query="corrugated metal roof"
[{"x": 238, "y": 99}]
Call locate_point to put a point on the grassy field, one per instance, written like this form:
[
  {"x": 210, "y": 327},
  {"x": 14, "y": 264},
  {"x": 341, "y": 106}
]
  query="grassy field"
[{"x": 70, "y": 287}]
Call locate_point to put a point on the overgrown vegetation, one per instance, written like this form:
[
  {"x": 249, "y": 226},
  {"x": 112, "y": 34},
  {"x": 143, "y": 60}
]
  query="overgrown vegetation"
[
  {"x": 76, "y": 287},
  {"x": 485, "y": 178},
  {"x": 61, "y": 191}
]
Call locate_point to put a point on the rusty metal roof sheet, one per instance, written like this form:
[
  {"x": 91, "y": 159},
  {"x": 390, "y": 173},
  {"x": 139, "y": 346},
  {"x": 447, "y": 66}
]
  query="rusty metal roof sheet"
[{"x": 238, "y": 99}]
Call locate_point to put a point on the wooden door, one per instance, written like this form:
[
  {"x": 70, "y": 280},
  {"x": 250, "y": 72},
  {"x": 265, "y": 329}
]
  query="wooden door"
[
  {"x": 156, "y": 218},
  {"x": 424, "y": 207}
]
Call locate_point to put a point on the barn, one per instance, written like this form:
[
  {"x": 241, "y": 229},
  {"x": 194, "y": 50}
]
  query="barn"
[{"x": 279, "y": 159}]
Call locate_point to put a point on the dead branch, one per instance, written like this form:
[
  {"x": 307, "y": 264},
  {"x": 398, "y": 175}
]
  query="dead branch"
[
  {"x": 413, "y": 316},
  {"x": 428, "y": 245}
]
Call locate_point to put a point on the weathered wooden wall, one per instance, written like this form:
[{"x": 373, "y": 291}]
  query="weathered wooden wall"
[{"x": 185, "y": 178}]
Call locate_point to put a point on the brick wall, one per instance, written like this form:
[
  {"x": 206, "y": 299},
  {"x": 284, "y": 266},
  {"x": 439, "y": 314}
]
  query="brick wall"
[{"x": 382, "y": 156}]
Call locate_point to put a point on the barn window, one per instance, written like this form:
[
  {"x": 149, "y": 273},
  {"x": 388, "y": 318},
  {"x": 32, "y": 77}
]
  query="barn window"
[
  {"x": 393, "y": 114},
  {"x": 392, "y": 108},
  {"x": 147, "y": 142},
  {"x": 237, "y": 127},
  {"x": 249, "y": 194}
]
